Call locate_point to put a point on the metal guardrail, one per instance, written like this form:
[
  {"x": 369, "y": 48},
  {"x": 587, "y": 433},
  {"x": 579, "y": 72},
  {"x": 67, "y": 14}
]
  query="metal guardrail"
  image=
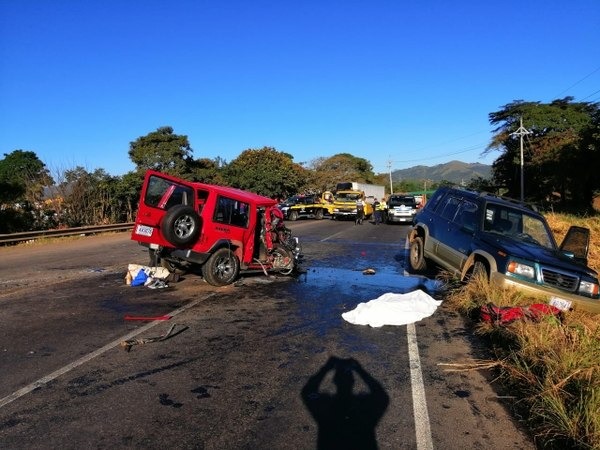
[{"x": 14, "y": 238}]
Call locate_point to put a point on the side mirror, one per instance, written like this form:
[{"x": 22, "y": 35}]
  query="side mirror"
[{"x": 576, "y": 243}]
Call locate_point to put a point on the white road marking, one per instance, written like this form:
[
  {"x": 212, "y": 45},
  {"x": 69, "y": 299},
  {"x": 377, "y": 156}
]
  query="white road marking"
[
  {"x": 333, "y": 235},
  {"x": 422, "y": 426},
  {"x": 57, "y": 373}
]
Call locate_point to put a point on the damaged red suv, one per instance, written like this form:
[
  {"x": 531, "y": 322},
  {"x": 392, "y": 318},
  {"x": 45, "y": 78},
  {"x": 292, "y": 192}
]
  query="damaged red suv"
[{"x": 220, "y": 229}]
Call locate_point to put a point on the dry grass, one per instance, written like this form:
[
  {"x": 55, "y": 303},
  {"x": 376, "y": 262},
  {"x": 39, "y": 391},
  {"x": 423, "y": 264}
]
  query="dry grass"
[{"x": 553, "y": 366}]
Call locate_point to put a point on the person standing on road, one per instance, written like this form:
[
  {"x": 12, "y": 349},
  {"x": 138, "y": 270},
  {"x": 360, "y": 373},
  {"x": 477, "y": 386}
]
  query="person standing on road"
[
  {"x": 382, "y": 210},
  {"x": 376, "y": 212},
  {"x": 360, "y": 211}
]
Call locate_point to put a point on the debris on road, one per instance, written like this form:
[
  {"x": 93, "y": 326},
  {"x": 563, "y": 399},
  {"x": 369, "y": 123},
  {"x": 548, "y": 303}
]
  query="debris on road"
[
  {"x": 126, "y": 345},
  {"x": 151, "y": 277},
  {"x": 164, "y": 317},
  {"x": 503, "y": 315}
]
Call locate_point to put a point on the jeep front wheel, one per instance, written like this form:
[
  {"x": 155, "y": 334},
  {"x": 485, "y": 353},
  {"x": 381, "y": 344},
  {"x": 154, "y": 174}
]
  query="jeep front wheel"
[
  {"x": 222, "y": 268},
  {"x": 181, "y": 225},
  {"x": 417, "y": 258},
  {"x": 293, "y": 215},
  {"x": 319, "y": 214}
]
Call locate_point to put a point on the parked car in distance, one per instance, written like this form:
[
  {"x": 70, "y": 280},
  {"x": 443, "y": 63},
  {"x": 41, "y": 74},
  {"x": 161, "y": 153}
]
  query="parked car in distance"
[
  {"x": 219, "y": 229},
  {"x": 289, "y": 202},
  {"x": 468, "y": 232},
  {"x": 401, "y": 208}
]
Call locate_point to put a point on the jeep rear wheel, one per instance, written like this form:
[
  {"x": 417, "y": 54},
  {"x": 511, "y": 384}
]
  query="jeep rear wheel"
[
  {"x": 293, "y": 215},
  {"x": 222, "y": 268},
  {"x": 319, "y": 214},
  {"x": 416, "y": 257},
  {"x": 181, "y": 225}
]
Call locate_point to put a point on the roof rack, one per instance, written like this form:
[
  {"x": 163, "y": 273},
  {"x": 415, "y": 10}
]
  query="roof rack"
[{"x": 527, "y": 205}]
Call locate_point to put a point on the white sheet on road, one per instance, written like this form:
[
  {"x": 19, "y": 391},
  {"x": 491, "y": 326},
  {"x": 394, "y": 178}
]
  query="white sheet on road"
[{"x": 393, "y": 309}]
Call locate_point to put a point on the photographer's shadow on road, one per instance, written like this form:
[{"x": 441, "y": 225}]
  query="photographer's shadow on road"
[{"x": 346, "y": 420}]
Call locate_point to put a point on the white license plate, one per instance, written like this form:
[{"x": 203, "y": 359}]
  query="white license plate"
[
  {"x": 561, "y": 303},
  {"x": 143, "y": 230}
]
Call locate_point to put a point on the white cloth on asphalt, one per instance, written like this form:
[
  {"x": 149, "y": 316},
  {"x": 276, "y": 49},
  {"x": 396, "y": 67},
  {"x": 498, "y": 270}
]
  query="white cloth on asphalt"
[{"x": 393, "y": 309}]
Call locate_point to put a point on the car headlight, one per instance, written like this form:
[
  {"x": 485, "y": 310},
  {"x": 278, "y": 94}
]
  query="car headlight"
[
  {"x": 336, "y": 210},
  {"x": 521, "y": 269},
  {"x": 588, "y": 288}
]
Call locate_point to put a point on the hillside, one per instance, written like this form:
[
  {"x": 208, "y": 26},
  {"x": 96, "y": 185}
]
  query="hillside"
[{"x": 454, "y": 171}]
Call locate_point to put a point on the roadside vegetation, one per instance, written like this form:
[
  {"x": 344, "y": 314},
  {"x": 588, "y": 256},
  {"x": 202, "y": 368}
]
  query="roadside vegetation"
[
  {"x": 551, "y": 366},
  {"x": 561, "y": 157}
]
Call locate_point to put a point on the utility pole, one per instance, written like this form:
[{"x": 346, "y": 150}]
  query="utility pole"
[
  {"x": 390, "y": 170},
  {"x": 521, "y": 132}
]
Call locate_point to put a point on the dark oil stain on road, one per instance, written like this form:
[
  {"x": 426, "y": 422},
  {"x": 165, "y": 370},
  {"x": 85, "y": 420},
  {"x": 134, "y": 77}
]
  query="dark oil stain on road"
[{"x": 323, "y": 293}]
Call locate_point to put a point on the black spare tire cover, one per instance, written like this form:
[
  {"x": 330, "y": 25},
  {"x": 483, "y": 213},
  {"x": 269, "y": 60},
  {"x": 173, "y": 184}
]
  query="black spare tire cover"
[{"x": 181, "y": 225}]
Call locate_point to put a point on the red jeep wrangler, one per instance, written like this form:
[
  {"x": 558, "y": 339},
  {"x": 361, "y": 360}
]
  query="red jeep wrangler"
[{"x": 221, "y": 229}]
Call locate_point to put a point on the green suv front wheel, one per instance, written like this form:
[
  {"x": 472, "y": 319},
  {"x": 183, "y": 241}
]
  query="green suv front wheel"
[{"x": 416, "y": 257}]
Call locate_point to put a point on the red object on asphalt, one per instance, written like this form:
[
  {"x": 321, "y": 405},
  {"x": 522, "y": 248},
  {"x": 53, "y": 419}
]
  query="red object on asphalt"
[{"x": 165, "y": 317}]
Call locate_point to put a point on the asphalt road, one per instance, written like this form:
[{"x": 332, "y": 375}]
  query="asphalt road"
[{"x": 267, "y": 363}]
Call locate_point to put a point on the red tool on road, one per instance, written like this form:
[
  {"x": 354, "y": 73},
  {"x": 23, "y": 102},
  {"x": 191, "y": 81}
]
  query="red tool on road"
[{"x": 165, "y": 317}]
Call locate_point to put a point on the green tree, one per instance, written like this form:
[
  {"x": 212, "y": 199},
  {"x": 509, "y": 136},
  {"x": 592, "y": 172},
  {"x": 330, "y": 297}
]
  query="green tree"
[
  {"x": 266, "y": 171},
  {"x": 164, "y": 151},
  {"x": 555, "y": 156},
  {"x": 23, "y": 180},
  {"x": 208, "y": 170},
  {"x": 327, "y": 172},
  {"x": 25, "y": 176},
  {"x": 127, "y": 190},
  {"x": 88, "y": 198}
]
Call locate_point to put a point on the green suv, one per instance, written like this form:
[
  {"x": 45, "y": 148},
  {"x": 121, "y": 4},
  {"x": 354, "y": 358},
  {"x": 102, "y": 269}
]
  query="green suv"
[{"x": 468, "y": 232}]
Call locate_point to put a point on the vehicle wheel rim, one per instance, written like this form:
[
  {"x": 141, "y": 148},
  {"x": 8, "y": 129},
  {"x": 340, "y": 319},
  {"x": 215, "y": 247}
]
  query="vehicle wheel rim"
[
  {"x": 224, "y": 268},
  {"x": 184, "y": 227}
]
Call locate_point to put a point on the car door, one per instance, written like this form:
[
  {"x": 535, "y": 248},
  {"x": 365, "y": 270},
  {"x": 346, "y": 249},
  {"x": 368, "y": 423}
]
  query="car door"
[
  {"x": 458, "y": 222},
  {"x": 444, "y": 230},
  {"x": 464, "y": 226}
]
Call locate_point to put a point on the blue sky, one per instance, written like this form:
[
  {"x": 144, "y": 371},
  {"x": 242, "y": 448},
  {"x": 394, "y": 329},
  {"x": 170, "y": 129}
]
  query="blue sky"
[{"x": 407, "y": 82}]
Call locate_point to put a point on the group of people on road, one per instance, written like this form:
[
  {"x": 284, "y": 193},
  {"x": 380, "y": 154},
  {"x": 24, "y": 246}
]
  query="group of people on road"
[{"x": 379, "y": 209}]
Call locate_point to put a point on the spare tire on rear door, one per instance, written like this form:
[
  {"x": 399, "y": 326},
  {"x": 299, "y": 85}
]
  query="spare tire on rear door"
[{"x": 181, "y": 225}]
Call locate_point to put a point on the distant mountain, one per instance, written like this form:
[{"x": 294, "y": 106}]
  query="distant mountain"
[{"x": 454, "y": 171}]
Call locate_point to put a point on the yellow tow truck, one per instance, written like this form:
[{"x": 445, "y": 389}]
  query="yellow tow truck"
[
  {"x": 344, "y": 206},
  {"x": 315, "y": 206}
]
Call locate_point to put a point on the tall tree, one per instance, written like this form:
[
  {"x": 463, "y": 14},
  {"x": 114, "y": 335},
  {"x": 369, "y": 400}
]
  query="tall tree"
[
  {"x": 555, "y": 159},
  {"x": 164, "y": 151},
  {"x": 25, "y": 176},
  {"x": 266, "y": 171},
  {"x": 327, "y": 172},
  {"x": 23, "y": 180},
  {"x": 208, "y": 170}
]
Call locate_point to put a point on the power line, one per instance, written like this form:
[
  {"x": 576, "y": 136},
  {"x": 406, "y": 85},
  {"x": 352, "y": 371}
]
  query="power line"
[
  {"x": 575, "y": 84},
  {"x": 474, "y": 147},
  {"x": 593, "y": 93}
]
